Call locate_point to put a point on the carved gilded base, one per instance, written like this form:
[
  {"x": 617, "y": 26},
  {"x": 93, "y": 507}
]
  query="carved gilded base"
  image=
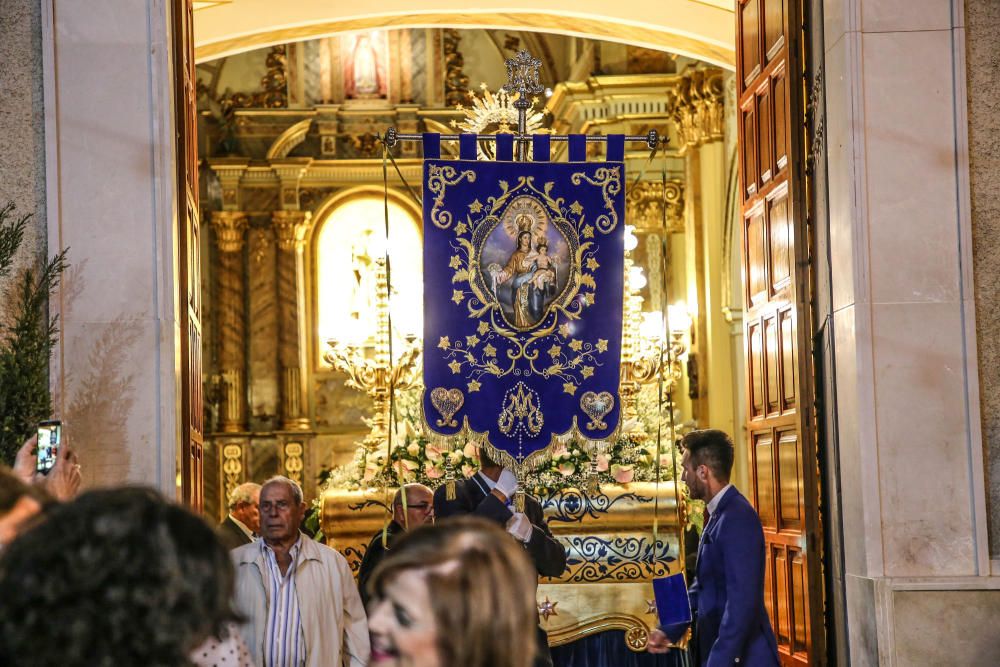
[{"x": 611, "y": 553}]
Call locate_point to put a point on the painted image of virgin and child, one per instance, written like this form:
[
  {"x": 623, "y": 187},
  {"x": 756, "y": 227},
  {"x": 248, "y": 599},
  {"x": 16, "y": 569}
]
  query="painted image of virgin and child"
[{"x": 531, "y": 274}]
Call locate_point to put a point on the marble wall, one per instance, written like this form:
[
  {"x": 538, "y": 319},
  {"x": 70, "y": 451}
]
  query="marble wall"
[
  {"x": 983, "y": 53},
  {"x": 904, "y": 319},
  {"x": 954, "y": 627},
  {"x": 22, "y": 125}
]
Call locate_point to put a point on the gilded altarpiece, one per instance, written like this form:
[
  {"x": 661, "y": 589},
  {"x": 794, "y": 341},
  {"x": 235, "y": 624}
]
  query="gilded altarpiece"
[{"x": 279, "y": 160}]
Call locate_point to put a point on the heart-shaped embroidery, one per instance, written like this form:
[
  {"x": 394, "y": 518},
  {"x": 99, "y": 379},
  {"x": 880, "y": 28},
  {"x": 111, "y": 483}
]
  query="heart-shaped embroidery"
[
  {"x": 596, "y": 406},
  {"x": 447, "y": 402}
]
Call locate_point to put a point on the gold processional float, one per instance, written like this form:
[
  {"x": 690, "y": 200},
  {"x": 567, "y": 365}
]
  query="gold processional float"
[{"x": 616, "y": 507}]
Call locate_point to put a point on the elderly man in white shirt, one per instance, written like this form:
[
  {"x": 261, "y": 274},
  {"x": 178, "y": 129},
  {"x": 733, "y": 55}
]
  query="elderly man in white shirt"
[{"x": 298, "y": 597}]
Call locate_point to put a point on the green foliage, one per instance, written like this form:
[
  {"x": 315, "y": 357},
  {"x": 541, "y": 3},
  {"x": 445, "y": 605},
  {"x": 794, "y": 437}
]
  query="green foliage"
[{"x": 27, "y": 337}]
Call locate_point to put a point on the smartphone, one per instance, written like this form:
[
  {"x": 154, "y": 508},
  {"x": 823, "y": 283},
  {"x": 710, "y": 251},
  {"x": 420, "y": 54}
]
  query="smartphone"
[{"x": 49, "y": 439}]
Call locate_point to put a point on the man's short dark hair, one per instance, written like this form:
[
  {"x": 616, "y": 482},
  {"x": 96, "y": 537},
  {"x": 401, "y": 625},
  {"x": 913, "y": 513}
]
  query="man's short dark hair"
[{"x": 711, "y": 448}]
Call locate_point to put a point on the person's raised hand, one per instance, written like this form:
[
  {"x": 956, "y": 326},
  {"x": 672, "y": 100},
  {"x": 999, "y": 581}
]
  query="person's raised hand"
[
  {"x": 26, "y": 460},
  {"x": 657, "y": 642},
  {"x": 63, "y": 481},
  {"x": 507, "y": 483}
]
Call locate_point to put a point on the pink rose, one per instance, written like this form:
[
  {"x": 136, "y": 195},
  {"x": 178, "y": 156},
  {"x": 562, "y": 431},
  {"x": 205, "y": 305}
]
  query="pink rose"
[
  {"x": 602, "y": 462},
  {"x": 623, "y": 474},
  {"x": 468, "y": 470},
  {"x": 433, "y": 472},
  {"x": 560, "y": 451},
  {"x": 434, "y": 452},
  {"x": 471, "y": 450},
  {"x": 566, "y": 469}
]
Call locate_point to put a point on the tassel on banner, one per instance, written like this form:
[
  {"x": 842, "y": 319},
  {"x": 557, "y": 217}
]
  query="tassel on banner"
[{"x": 449, "y": 475}]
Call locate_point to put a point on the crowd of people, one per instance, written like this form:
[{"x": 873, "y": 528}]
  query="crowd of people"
[{"x": 125, "y": 577}]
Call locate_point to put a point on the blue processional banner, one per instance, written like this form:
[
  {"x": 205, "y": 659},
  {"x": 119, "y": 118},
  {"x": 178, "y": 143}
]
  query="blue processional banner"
[{"x": 523, "y": 279}]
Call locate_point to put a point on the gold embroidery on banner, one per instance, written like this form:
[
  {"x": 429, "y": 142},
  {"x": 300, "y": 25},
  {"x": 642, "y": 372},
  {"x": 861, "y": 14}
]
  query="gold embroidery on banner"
[
  {"x": 447, "y": 402},
  {"x": 439, "y": 177},
  {"x": 609, "y": 180},
  {"x": 596, "y": 406},
  {"x": 521, "y": 411}
]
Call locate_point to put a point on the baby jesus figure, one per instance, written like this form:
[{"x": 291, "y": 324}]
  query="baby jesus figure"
[{"x": 545, "y": 274}]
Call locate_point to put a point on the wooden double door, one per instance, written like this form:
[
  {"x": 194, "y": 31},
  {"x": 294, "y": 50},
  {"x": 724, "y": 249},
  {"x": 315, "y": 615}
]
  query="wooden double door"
[{"x": 781, "y": 433}]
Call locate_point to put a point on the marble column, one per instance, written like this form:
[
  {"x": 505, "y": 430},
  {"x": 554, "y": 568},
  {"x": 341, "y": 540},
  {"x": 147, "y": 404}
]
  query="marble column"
[
  {"x": 290, "y": 229},
  {"x": 230, "y": 228},
  {"x": 698, "y": 110}
]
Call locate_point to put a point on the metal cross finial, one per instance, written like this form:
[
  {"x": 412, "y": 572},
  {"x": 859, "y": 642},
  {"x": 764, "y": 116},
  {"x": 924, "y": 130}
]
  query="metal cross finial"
[{"x": 522, "y": 78}]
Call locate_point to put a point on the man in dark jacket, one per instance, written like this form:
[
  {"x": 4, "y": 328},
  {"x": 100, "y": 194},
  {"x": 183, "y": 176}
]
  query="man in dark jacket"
[
  {"x": 490, "y": 494},
  {"x": 727, "y": 596},
  {"x": 418, "y": 511},
  {"x": 243, "y": 522}
]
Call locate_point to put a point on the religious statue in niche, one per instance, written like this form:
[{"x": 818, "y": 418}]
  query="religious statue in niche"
[
  {"x": 362, "y": 299},
  {"x": 526, "y": 260},
  {"x": 364, "y": 66}
]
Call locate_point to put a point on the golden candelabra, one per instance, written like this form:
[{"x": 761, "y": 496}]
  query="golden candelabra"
[{"x": 376, "y": 373}]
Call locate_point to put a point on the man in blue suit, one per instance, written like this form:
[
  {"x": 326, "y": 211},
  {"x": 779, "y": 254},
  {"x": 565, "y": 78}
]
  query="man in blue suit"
[{"x": 727, "y": 596}]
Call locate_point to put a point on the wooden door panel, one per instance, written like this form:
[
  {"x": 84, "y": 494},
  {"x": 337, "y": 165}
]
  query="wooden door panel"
[
  {"x": 765, "y": 128},
  {"x": 779, "y": 84},
  {"x": 749, "y": 25},
  {"x": 774, "y": 27},
  {"x": 191, "y": 458},
  {"x": 780, "y": 420},
  {"x": 763, "y": 445},
  {"x": 779, "y": 241},
  {"x": 771, "y": 364},
  {"x": 749, "y": 138},
  {"x": 786, "y": 337},
  {"x": 789, "y": 482}
]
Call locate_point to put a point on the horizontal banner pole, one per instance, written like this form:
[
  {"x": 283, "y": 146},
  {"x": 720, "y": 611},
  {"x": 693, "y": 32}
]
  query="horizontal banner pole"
[{"x": 651, "y": 139}]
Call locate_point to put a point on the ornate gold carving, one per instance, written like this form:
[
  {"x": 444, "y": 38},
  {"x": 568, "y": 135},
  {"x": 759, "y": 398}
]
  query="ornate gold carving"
[
  {"x": 289, "y": 139},
  {"x": 447, "y": 403},
  {"x": 696, "y": 106},
  {"x": 646, "y": 201},
  {"x": 232, "y": 468},
  {"x": 293, "y": 465},
  {"x": 229, "y": 227},
  {"x": 456, "y": 83},
  {"x": 291, "y": 228},
  {"x": 273, "y": 93},
  {"x": 636, "y": 637}
]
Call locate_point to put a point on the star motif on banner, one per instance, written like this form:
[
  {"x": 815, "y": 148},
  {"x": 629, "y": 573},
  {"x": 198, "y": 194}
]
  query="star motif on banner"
[
  {"x": 475, "y": 206},
  {"x": 587, "y": 371},
  {"x": 554, "y": 351},
  {"x": 444, "y": 343},
  {"x": 589, "y": 299},
  {"x": 472, "y": 341},
  {"x": 570, "y": 388},
  {"x": 564, "y": 330},
  {"x": 588, "y": 232},
  {"x": 455, "y": 367},
  {"x": 457, "y": 296},
  {"x": 474, "y": 386},
  {"x": 651, "y": 607},
  {"x": 460, "y": 228},
  {"x": 576, "y": 208},
  {"x": 602, "y": 344},
  {"x": 490, "y": 351},
  {"x": 576, "y": 345},
  {"x": 483, "y": 328},
  {"x": 591, "y": 264},
  {"x": 547, "y": 608},
  {"x": 455, "y": 262}
]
